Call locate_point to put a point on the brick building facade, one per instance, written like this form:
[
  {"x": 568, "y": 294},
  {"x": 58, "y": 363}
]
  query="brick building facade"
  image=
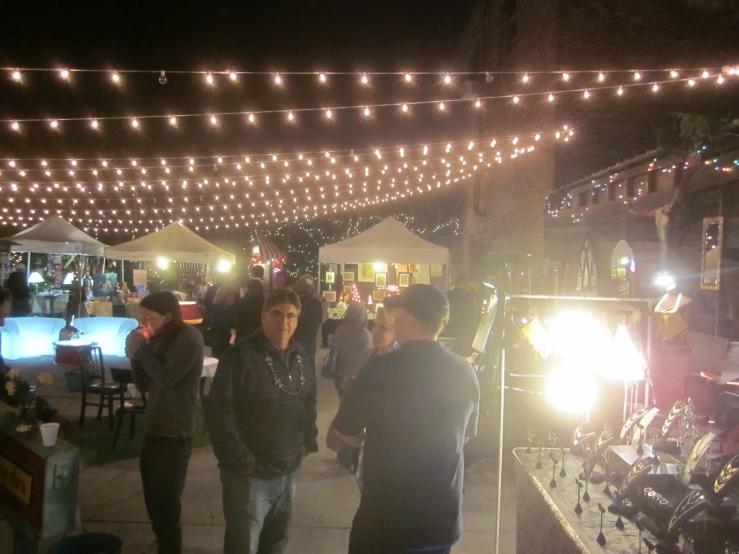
[{"x": 505, "y": 212}]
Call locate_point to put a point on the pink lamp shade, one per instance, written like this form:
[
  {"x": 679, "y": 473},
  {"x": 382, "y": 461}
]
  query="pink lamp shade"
[{"x": 191, "y": 313}]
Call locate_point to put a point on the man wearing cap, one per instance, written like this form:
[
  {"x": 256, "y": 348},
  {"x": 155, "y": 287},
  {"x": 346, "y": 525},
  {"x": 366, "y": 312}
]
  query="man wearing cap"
[{"x": 413, "y": 409}]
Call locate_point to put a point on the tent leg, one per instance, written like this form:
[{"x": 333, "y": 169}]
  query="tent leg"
[
  {"x": 28, "y": 267},
  {"x": 499, "y": 494}
]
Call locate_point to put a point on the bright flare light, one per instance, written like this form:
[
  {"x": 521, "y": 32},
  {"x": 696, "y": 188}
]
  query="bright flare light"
[
  {"x": 625, "y": 364},
  {"x": 223, "y": 266},
  {"x": 162, "y": 263},
  {"x": 665, "y": 280},
  {"x": 571, "y": 390}
]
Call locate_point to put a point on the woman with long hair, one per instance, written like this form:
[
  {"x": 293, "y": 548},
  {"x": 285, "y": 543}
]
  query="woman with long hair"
[
  {"x": 166, "y": 362},
  {"x": 221, "y": 321}
]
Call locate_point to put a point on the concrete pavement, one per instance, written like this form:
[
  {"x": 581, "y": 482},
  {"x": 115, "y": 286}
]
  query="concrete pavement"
[{"x": 111, "y": 499}]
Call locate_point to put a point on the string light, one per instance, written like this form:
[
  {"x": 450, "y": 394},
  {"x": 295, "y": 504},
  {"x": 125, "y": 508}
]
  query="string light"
[
  {"x": 601, "y": 77},
  {"x": 115, "y": 77},
  {"x": 278, "y": 79},
  {"x": 54, "y": 124},
  {"x": 478, "y": 103},
  {"x": 367, "y": 111},
  {"x": 94, "y": 123},
  {"x": 290, "y": 116},
  {"x": 566, "y": 76},
  {"x": 251, "y": 118},
  {"x": 233, "y": 76},
  {"x": 364, "y": 79},
  {"x": 329, "y": 114},
  {"x": 135, "y": 123},
  {"x": 173, "y": 121},
  {"x": 209, "y": 79},
  {"x": 620, "y": 91},
  {"x": 322, "y": 77},
  {"x": 525, "y": 78},
  {"x": 408, "y": 77},
  {"x": 213, "y": 120},
  {"x": 637, "y": 76},
  {"x": 16, "y": 76},
  {"x": 64, "y": 74},
  {"x": 447, "y": 79},
  {"x": 441, "y": 106},
  {"x": 15, "y": 126},
  {"x": 404, "y": 107},
  {"x": 691, "y": 82},
  {"x": 655, "y": 87}
]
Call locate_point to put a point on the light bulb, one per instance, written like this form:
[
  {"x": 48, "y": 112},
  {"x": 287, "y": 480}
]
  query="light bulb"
[
  {"x": 637, "y": 76},
  {"x": 290, "y": 116},
  {"x": 64, "y": 74},
  {"x": 447, "y": 79},
  {"x": 173, "y": 121},
  {"x": 115, "y": 77},
  {"x": 442, "y": 107},
  {"x": 601, "y": 77},
  {"x": 135, "y": 123},
  {"x": 15, "y": 126},
  {"x": 251, "y": 119},
  {"x": 94, "y": 123},
  {"x": 493, "y": 143},
  {"x": 232, "y": 76},
  {"x": 525, "y": 78},
  {"x": 720, "y": 79},
  {"x": 620, "y": 91},
  {"x": 53, "y": 124},
  {"x": 408, "y": 77},
  {"x": 209, "y": 79},
  {"x": 674, "y": 74},
  {"x": 691, "y": 83},
  {"x": 16, "y": 75},
  {"x": 586, "y": 94},
  {"x": 364, "y": 79},
  {"x": 566, "y": 76},
  {"x": 537, "y": 137},
  {"x": 404, "y": 107},
  {"x": 278, "y": 79},
  {"x": 213, "y": 120},
  {"x": 655, "y": 87},
  {"x": 366, "y": 112},
  {"x": 551, "y": 97},
  {"x": 515, "y": 100},
  {"x": 705, "y": 74},
  {"x": 329, "y": 114},
  {"x": 322, "y": 77},
  {"x": 163, "y": 78}
]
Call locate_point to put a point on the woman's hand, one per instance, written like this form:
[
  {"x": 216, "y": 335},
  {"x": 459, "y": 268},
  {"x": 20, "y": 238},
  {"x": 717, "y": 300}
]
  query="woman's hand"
[{"x": 135, "y": 340}]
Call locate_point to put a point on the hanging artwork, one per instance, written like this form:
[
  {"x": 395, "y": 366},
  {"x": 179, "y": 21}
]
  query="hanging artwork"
[
  {"x": 424, "y": 274},
  {"x": 404, "y": 280},
  {"x": 436, "y": 270},
  {"x": 330, "y": 295},
  {"x": 381, "y": 280},
  {"x": 401, "y": 268},
  {"x": 587, "y": 273},
  {"x": 330, "y": 277},
  {"x": 348, "y": 276},
  {"x": 366, "y": 273}
]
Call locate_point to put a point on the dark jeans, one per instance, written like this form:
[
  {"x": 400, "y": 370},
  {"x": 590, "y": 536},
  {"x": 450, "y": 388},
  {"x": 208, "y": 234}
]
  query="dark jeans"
[
  {"x": 357, "y": 546},
  {"x": 258, "y": 511},
  {"x": 163, "y": 465}
]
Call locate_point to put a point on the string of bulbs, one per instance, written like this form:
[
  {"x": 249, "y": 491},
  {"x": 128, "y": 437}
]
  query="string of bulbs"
[{"x": 368, "y": 111}]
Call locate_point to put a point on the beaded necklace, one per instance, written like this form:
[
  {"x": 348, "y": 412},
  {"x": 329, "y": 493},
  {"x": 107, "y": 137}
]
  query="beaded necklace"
[{"x": 277, "y": 382}]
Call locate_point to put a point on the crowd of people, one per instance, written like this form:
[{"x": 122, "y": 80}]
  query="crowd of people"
[{"x": 407, "y": 407}]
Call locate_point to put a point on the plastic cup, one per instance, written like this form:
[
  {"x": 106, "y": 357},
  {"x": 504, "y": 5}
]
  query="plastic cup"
[{"x": 49, "y": 432}]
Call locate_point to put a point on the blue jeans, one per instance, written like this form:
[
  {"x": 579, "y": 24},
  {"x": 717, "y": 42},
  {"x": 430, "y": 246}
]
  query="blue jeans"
[{"x": 258, "y": 511}]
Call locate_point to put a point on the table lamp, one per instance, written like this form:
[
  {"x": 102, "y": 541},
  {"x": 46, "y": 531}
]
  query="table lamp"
[{"x": 191, "y": 313}]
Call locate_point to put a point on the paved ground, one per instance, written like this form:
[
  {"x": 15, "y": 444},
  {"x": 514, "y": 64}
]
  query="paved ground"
[{"x": 111, "y": 500}]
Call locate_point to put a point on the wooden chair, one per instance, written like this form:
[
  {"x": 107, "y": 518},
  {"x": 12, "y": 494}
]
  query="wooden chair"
[
  {"x": 93, "y": 383},
  {"x": 129, "y": 406}
]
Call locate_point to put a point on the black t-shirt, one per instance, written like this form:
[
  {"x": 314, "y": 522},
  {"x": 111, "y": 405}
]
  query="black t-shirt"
[{"x": 417, "y": 405}]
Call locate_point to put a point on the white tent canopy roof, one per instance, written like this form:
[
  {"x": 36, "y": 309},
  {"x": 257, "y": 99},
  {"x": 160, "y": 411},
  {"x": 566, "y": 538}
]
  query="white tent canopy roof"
[
  {"x": 56, "y": 235},
  {"x": 174, "y": 242},
  {"x": 389, "y": 242}
]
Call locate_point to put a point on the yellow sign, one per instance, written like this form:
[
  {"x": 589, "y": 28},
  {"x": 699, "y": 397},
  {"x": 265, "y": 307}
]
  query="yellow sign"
[{"x": 16, "y": 480}]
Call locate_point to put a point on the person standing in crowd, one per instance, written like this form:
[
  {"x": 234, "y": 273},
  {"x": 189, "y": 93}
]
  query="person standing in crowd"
[
  {"x": 166, "y": 362},
  {"x": 311, "y": 316},
  {"x": 257, "y": 272},
  {"x": 353, "y": 346},
  {"x": 463, "y": 317},
  {"x": 44, "y": 411},
  {"x": 413, "y": 410},
  {"x": 20, "y": 305},
  {"x": 279, "y": 279},
  {"x": 247, "y": 311},
  {"x": 221, "y": 322},
  {"x": 262, "y": 422}
]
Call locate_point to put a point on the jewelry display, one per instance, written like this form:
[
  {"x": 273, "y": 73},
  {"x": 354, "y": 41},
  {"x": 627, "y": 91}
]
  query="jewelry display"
[
  {"x": 563, "y": 472},
  {"x": 553, "y": 483},
  {"x": 601, "y": 537},
  {"x": 578, "y": 507}
]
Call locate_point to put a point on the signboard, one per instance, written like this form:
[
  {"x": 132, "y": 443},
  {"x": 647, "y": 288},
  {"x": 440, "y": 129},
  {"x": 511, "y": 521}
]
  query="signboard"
[
  {"x": 16, "y": 480},
  {"x": 139, "y": 277}
]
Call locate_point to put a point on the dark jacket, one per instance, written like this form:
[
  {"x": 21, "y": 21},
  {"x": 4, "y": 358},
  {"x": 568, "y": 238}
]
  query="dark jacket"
[
  {"x": 463, "y": 316},
  {"x": 171, "y": 379},
  {"x": 247, "y": 315},
  {"x": 255, "y": 426},
  {"x": 221, "y": 324}
]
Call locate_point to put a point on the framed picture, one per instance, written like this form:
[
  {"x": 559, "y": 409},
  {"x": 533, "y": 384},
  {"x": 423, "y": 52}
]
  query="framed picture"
[
  {"x": 348, "y": 290},
  {"x": 330, "y": 275},
  {"x": 379, "y": 295},
  {"x": 404, "y": 280},
  {"x": 330, "y": 295},
  {"x": 401, "y": 268},
  {"x": 366, "y": 273},
  {"x": 436, "y": 270},
  {"x": 381, "y": 280},
  {"x": 348, "y": 276}
]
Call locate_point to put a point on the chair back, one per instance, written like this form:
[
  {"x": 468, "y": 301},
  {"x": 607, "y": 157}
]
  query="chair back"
[{"x": 91, "y": 364}]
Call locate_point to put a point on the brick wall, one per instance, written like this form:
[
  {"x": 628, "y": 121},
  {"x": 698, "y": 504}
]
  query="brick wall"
[{"x": 577, "y": 34}]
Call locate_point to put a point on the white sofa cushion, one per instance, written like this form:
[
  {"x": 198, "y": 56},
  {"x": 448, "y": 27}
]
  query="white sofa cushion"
[
  {"x": 26, "y": 337},
  {"x": 108, "y": 332}
]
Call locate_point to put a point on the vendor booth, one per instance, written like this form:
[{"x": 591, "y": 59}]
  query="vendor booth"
[
  {"x": 380, "y": 261},
  {"x": 267, "y": 254}
]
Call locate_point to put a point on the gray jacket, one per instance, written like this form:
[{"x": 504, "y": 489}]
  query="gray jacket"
[
  {"x": 171, "y": 381},
  {"x": 353, "y": 341}
]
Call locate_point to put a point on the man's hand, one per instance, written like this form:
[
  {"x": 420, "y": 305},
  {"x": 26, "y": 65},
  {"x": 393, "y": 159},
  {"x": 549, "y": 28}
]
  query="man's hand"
[
  {"x": 65, "y": 426},
  {"x": 135, "y": 340}
]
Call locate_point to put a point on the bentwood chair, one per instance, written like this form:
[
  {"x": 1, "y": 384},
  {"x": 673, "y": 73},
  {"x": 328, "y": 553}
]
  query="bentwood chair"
[
  {"x": 127, "y": 406},
  {"x": 94, "y": 385}
]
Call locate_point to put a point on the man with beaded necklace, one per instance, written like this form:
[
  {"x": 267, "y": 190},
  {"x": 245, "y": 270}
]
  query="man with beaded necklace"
[{"x": 262, "y": 421}]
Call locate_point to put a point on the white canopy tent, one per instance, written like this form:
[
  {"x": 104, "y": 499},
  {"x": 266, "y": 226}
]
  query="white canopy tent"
[
  {"x": 56, "y": 235},
  {"x": 175, "y": 242},
  {"x": 389, "y": 241}
]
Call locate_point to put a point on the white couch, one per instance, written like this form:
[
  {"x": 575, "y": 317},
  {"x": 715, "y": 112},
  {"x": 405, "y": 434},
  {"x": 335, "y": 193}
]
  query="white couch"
[
  {"x": 27, "y": 337},
  {"x": 108, "y": 332}
]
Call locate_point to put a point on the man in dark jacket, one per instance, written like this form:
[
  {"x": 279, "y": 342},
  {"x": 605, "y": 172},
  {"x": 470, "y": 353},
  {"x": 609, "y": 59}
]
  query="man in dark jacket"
[
  {"x": 311, "y": 317},
  {"x": 262, "y": 421},
  {"x": 18, "y": 287}
]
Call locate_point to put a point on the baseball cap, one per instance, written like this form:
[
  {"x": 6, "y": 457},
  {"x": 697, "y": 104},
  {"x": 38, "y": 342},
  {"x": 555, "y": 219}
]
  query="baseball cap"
[{"x": 426, "y": 302}]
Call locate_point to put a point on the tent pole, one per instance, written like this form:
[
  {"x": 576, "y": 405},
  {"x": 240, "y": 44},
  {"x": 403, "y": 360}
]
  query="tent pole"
[{"x": 28, "y": 267}]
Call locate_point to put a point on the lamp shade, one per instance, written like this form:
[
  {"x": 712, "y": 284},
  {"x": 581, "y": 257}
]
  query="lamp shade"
[
  {"x": 35, "y": 278},
  {"x": 191, "y": 313}
]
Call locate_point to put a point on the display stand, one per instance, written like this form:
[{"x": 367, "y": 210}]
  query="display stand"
[{"x": 502, "y": 299}]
